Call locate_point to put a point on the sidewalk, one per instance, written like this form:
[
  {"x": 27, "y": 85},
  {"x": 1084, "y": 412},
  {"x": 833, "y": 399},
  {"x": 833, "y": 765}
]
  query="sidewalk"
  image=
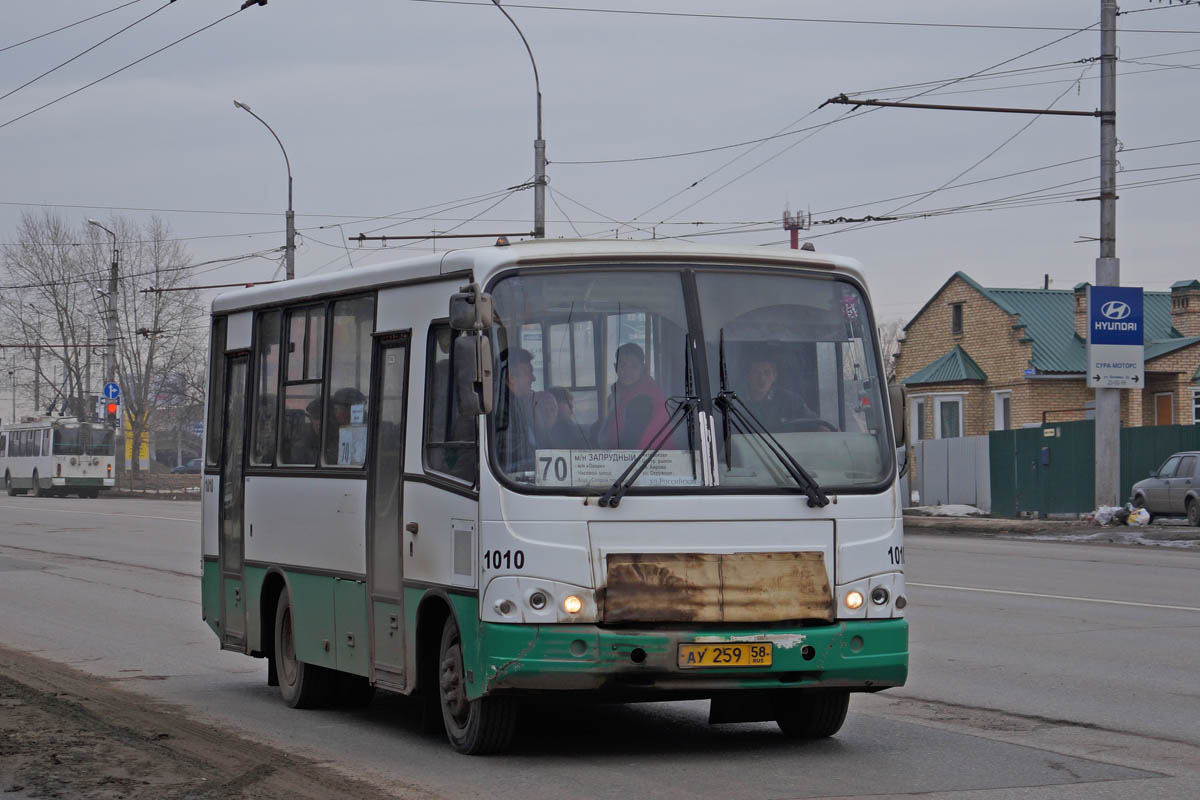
[{"x": 1166, "y": 532}]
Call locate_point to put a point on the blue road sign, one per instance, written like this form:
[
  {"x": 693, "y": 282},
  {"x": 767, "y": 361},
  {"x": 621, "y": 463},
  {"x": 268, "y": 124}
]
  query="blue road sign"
[
  {"x": 196, "y": 429},
  {"x": 1115, "y": 315},
  {"x": 112, "y": 391},
  {"x": 1115, "y": 336}
]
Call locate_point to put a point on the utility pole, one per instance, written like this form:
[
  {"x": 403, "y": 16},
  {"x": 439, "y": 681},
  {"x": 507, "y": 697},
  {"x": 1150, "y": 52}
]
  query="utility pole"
[
  {"x": 37, "y": 377},
  {"x": 539, "y": 144},
  {"x": 1108, "y": 267}
]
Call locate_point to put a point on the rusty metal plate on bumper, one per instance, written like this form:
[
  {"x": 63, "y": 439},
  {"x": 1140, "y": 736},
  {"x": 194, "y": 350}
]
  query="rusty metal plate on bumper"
[{"x": 717, "y": 587}]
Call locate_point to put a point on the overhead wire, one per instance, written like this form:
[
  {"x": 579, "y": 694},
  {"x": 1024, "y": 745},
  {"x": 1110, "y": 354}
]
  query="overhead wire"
[
  {"x": 990, "y": 153},
  {"x": 65, "y": 27},
  {"x": 759, "y": 18},
  {"x": 134, "y": 63},
  {"x": 565, "y": 215},
  {"x": 77, "y": 56},
  {"x": 848, "y": 115}
]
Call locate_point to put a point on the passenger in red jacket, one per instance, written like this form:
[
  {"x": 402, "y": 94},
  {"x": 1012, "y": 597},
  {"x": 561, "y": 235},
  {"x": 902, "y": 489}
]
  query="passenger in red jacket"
[{"x": 636, "y": 407}]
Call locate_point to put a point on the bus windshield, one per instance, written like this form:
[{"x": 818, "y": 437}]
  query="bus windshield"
[
  {"x": 83, "y": 440},
  {"x": 590, "y": 365}
]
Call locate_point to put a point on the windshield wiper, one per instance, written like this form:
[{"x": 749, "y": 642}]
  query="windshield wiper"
[
  {"x": 683, "y": 411},
  {"x": 736, "y": 414}
]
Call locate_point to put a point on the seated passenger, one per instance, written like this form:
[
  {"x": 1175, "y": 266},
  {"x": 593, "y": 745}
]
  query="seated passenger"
[
  {"x": 636, "y": 407},
  {"x": 566, "y": 433}
]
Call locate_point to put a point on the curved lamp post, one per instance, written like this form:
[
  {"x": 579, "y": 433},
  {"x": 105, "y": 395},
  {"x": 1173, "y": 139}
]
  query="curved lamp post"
[
  {"x": 539, "y": 144},
  {"x": 290, "y": 248}
]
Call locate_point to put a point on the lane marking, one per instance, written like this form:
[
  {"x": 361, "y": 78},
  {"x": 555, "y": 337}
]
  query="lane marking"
[
  {"x": 1052, "y": 596},
  {"x": 27, "y": 507}
]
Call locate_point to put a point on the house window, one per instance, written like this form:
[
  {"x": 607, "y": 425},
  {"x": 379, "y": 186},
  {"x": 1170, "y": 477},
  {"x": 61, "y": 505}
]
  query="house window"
[
  {"x": 1195, "y": 409},
  {"x": 1002, "y": 402},
  {"x": 956, "y": 318},
  {"x": 948, "y": 417}
]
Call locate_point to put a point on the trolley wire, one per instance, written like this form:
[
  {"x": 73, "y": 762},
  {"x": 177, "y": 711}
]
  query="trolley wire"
[
  {"x": 77, "y": 56},
  {"x": 65, "y": 27}
]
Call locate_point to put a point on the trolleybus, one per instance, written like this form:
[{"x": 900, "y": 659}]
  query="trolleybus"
[
  {"x": 56, "y": 456},
  {"x": 631, "y": 470}
]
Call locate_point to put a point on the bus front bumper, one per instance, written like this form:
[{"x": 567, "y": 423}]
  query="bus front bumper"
[{"x": 860, "y": 655}]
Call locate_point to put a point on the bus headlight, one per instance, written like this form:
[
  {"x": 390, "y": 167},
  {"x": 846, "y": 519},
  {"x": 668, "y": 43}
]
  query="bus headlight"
[
  {"x": 854, "y": 600},
  {"x": 879, "y": 596},
  {"x": 513, "y": 599}
]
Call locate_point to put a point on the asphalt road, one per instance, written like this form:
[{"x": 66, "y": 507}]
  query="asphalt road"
[{"x": 1039, "y": 669}]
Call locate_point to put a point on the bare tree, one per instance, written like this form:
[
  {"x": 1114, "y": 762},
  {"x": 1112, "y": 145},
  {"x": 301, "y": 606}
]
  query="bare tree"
[
  {"x": 158, "y": 319},
  {"x": 56, "y": 304},
  {"x": 49, "y": 307},
  {"x": 891, "y": 333}
]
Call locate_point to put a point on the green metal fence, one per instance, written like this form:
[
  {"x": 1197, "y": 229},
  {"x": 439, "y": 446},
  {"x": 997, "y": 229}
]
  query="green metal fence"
[{"x": 1051, "y": 470}]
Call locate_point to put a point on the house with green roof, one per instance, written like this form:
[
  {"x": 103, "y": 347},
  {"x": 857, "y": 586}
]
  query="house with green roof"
[{"x": 976, "y": 359}]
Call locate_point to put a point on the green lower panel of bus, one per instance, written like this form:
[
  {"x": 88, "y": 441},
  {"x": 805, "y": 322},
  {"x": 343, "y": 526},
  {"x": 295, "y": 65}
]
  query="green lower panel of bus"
[{"x": 862, "y": 655}]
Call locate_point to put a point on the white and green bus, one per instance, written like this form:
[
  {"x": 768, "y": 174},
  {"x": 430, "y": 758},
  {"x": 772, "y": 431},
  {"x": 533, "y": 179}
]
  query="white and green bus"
[
  {"x": 633, "y": 470},
  {"x": 43, "y": 456}
]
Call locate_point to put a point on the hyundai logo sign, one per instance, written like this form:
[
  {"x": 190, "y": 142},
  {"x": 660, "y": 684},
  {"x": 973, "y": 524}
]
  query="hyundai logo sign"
[{"x": 1115, "y": 309}]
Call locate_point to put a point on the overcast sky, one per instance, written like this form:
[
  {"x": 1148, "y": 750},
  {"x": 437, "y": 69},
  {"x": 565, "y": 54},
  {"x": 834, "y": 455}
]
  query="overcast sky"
[{"x": 386, "y": 106}]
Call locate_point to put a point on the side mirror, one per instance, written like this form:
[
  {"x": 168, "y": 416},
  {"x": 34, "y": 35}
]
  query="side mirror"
[
  {"x": 896, "y": 401},
  {"x": 470, "y": 309},
  {"x": 473, "y": 374}
]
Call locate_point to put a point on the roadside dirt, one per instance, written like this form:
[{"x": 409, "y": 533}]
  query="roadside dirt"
[{"x": 64, "y": 734}]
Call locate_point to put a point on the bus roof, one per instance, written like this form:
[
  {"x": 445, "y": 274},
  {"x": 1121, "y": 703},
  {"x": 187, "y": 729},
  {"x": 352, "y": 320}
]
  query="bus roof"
[{"x": 481, "y": 262}]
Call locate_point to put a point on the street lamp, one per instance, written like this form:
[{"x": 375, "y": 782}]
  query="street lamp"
[
  {"x": 539, "y": 144},
  {"x": 110, "y": 358},
  {"x": 291, "y": 215}
]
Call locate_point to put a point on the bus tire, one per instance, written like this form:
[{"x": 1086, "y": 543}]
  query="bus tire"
[
  {"x": 8, "y": 485},
  {"x": 813, "y": 713},
  {"x": 36, "y": 491},
  {"x": 301, "y": 685},
  {"x": 474, "y": 727}
]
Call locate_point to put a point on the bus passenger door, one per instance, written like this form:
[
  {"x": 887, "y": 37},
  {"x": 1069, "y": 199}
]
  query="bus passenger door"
[
  {"x": 231, "y": 547},
  {"x": 385, "y": 556}
]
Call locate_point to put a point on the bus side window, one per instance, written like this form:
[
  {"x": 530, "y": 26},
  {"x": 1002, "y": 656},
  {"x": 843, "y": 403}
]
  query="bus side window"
[
  {"x": 300, "y": 441},
  {"x": 266, "y": 389},
  {"x": 451, "y": 439},
  {"x": 216, "y": 393},
  {"x": 347, "y": 392}
]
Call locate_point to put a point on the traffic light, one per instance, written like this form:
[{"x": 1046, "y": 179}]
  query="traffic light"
[{"x": 112, "y": 412}]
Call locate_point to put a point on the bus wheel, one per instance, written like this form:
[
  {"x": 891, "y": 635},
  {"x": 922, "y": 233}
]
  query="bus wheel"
[
  {"x": 36, "y": 491},
  {"x": 813, "y": 714},
  {"x": 474, "y": 727},
  {"x": 8, "y": 487},
  {"x": 301, "y": 685}
]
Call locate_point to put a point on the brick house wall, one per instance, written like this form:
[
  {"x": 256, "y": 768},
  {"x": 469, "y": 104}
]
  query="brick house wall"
[
  {"x": 991, "y": 340},
  {"x": 988, "y": 336}
]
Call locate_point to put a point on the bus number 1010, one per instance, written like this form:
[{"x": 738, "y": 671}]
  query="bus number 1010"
[{"x": 504, "y": 559}]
